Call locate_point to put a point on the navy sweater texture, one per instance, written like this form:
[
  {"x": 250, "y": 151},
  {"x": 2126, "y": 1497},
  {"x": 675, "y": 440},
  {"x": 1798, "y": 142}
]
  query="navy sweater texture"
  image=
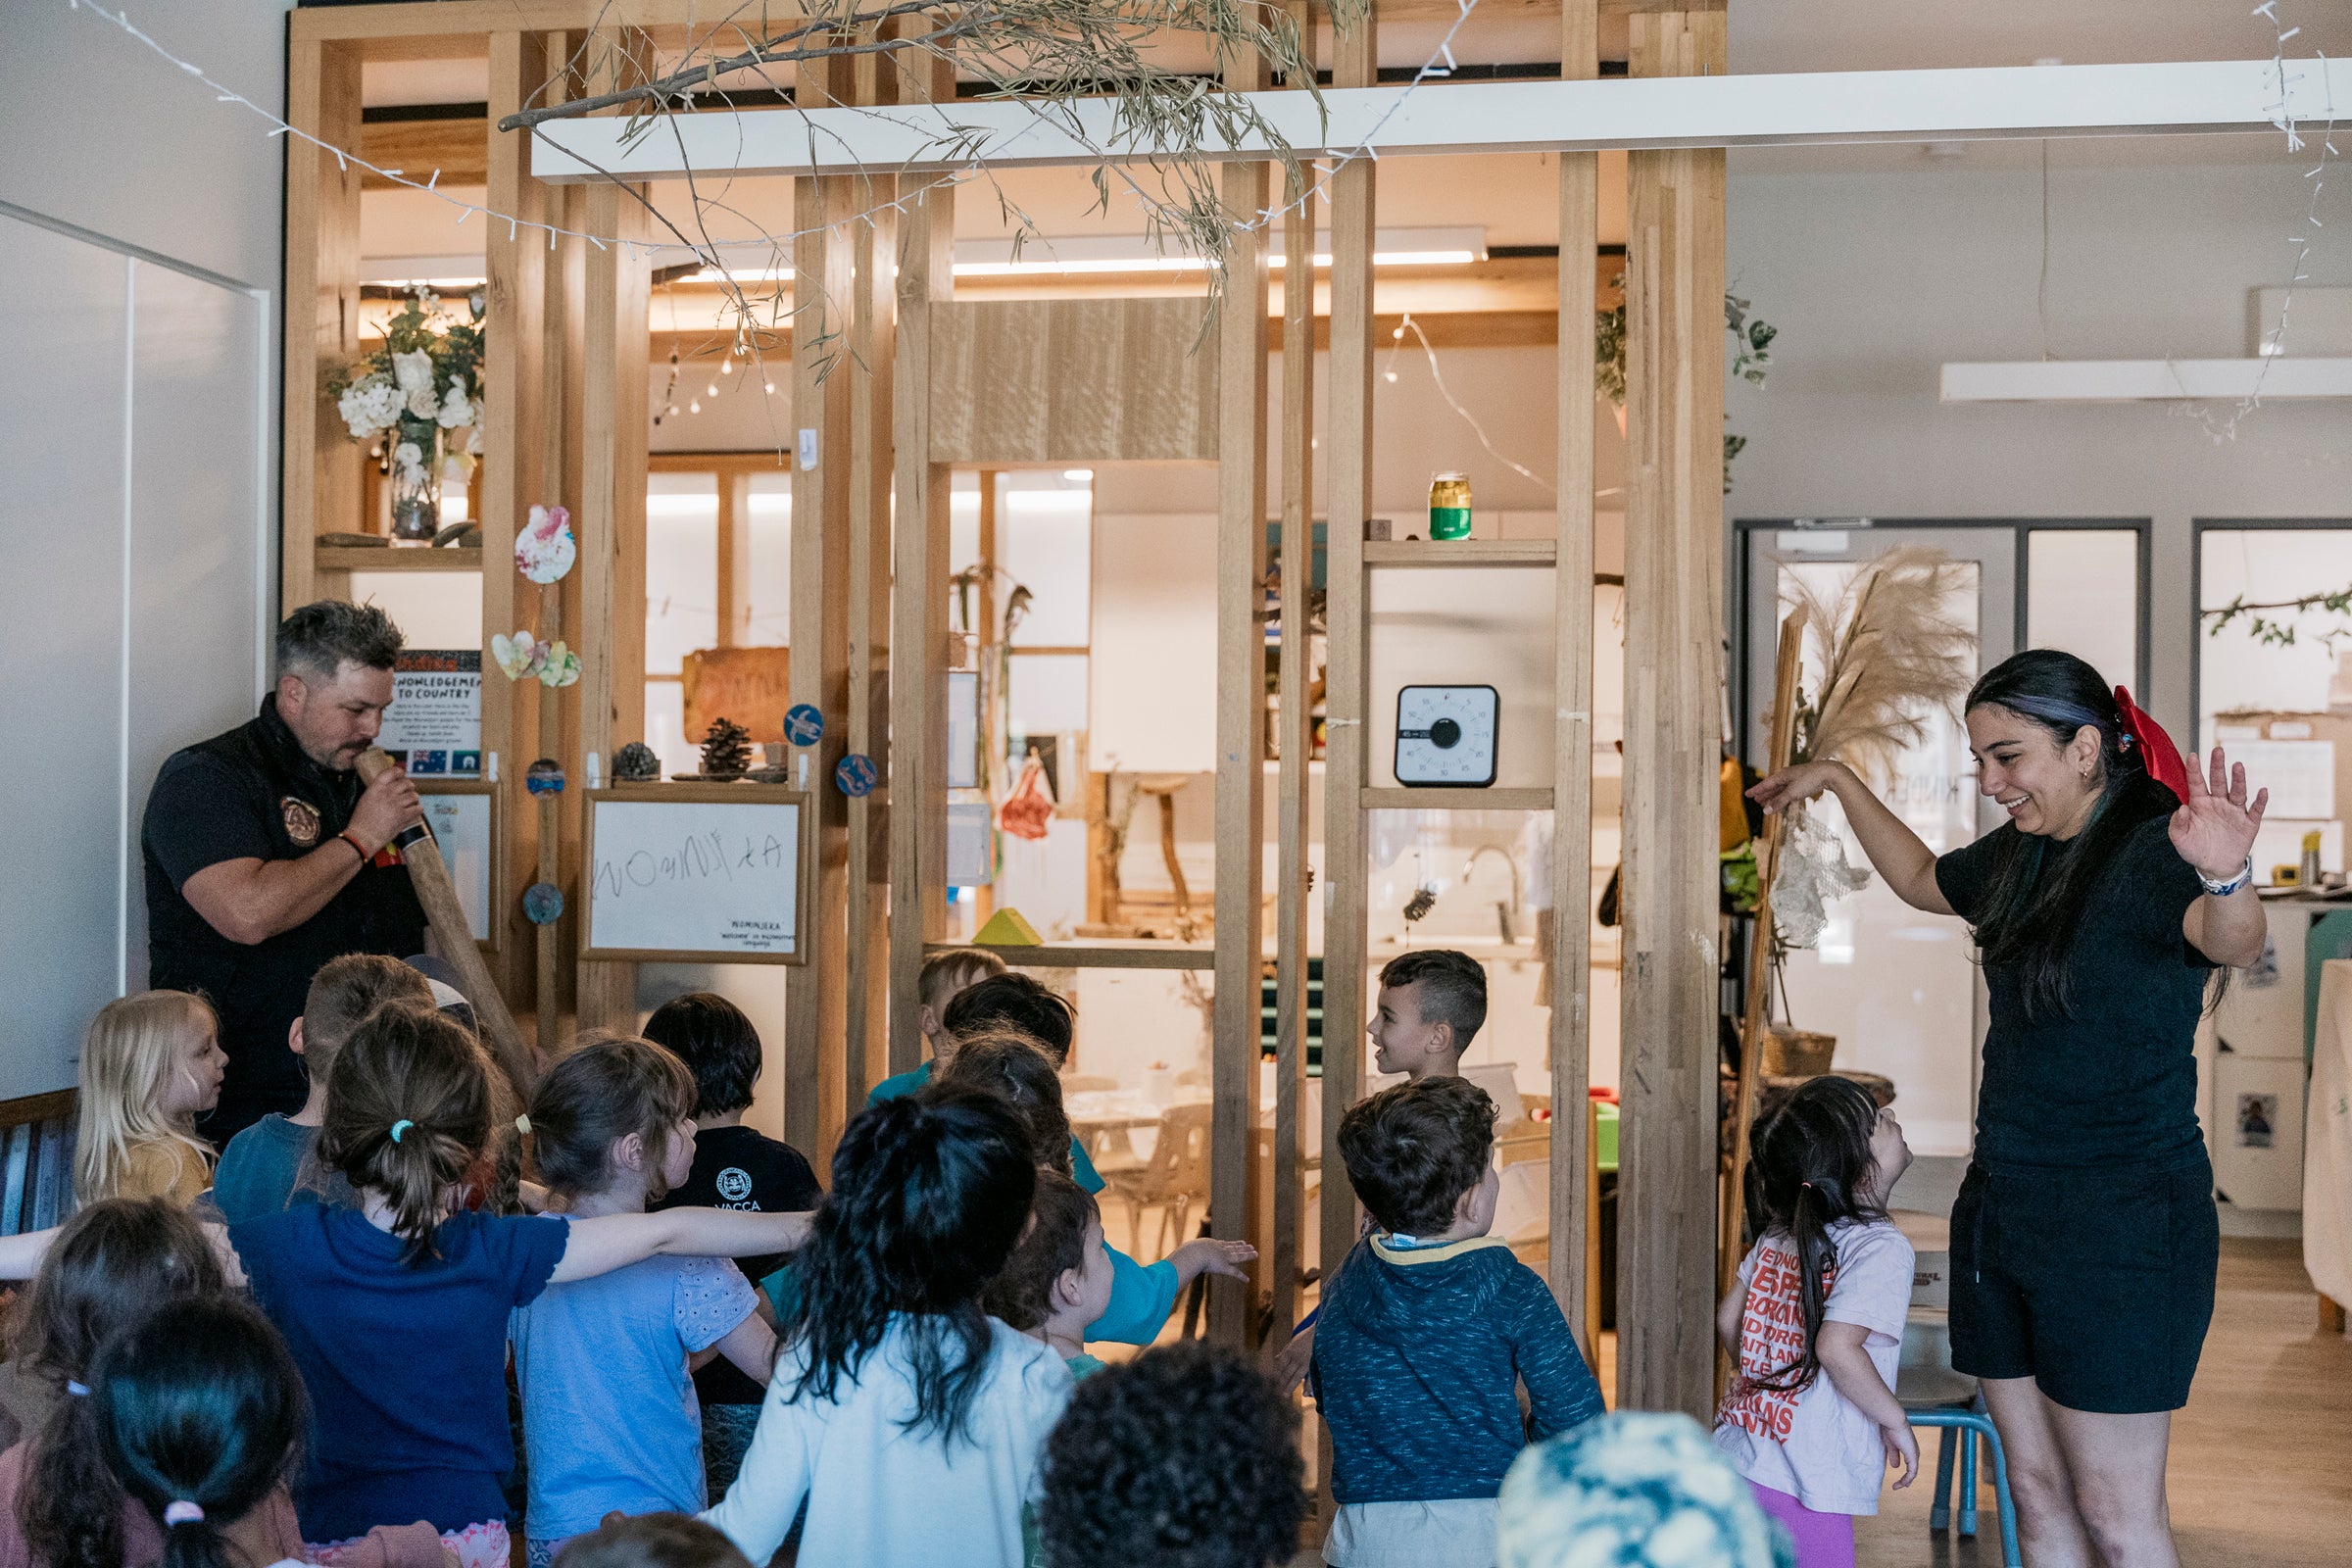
[{"x": 1418, "y": 1354}]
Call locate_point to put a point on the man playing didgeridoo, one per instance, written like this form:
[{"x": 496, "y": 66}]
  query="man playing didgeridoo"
[
  {"x": 2085, "y": 1241},
  {"x": 265, "y": 857}
]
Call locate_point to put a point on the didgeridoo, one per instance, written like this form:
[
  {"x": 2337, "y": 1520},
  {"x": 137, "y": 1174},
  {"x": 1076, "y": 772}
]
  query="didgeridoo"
[{"x": 429, "y": 875}]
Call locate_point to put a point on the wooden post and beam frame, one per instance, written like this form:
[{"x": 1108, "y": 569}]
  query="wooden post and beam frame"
[
  {"x": 1241, "y": 728},
  {"x": 918, "y": 633},
  {"x": 1571, "y": 955},
  {"x": 817, "y": 992},
  {"x": 1673, "y": 664},
  {"x": 320, "y": 474}
]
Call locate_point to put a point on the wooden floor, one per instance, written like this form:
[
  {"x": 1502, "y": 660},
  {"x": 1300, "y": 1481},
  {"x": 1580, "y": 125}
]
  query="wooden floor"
[{"x": 2261, "y": 1473}]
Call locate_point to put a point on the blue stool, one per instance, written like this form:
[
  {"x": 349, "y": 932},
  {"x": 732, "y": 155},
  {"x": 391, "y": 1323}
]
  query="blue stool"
[{"x": 1964, "y": 1423}]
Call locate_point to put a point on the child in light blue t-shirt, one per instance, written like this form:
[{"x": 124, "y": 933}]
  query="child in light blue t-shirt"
[{"x": 608, "y": 1412}]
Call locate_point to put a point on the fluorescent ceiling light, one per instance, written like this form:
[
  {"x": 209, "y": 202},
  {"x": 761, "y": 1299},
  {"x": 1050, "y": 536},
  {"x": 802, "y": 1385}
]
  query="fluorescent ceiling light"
[
  {"x": 1115, "y": 254},
  {"x": 2145, "y": 381}
]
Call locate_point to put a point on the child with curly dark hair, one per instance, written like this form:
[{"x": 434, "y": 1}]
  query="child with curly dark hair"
[
  {"x": 906, "y": 1419},
  {"x": 1184, "y": 1457},
  {"x": 1426, "y": 1334}
]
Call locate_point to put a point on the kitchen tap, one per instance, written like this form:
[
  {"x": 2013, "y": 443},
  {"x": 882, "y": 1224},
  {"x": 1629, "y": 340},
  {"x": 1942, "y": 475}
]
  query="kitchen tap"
[{"x": 1503, "y": 910}]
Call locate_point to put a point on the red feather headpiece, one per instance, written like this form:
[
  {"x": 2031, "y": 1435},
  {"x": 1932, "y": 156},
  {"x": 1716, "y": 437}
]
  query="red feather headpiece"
[{"x": 2156, "y": 749}]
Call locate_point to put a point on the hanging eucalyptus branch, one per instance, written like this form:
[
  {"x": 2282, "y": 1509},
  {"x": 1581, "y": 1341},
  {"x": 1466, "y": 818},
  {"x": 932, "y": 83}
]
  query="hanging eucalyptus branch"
[
  {"x": 1751, "y": 357},
  {"x": 2264, "y": 627}
]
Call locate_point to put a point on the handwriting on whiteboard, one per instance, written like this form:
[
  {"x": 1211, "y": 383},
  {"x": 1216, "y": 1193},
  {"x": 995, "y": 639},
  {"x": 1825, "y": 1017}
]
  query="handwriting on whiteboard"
[{"x": 703, "y": 857}]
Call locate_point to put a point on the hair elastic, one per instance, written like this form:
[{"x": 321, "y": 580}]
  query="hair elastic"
[
  {"x": 401, "y": 1126},
  {"x": 183, "y": 1512},
  {"x": 79, "y": 1390},
  {"x": 522, "y": 1125}
]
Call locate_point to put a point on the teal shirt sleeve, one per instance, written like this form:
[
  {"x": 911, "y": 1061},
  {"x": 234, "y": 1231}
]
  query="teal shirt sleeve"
[
  {"x": 1140, "y": 1300},
  {"x": 1082, "y": 1169},
  {"x": 905, "y": 1083}
]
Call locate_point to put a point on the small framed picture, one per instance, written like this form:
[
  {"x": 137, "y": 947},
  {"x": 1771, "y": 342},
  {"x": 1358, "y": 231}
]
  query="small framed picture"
[{"x": 2257, "y": 1120}]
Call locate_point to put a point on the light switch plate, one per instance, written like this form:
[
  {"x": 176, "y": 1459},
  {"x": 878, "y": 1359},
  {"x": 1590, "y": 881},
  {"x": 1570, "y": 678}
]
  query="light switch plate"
[{"x": 1446, "y": 736}]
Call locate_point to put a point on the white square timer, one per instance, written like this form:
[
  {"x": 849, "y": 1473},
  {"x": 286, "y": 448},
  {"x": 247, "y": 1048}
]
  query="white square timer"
[{"x": 1446, "y": 736}]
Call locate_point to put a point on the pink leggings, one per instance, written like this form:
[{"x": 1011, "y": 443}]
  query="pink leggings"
[{"x": 1823, "y": 1539}]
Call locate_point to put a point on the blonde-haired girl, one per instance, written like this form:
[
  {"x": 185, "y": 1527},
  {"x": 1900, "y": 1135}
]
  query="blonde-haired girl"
[{"x": 150, "y": 1064}]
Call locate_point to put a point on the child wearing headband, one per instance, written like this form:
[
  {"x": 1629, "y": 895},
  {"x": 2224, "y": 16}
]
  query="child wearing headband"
[{"x": 396, "y": 1310}]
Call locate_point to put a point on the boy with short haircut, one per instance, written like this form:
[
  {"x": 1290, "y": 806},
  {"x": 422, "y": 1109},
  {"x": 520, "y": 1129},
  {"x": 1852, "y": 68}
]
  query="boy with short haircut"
[
  {"x": 1425, "y": 1336},
  {"x": 1057, "y": 1281},
  {"x": 734, "y": 1168},
  {"x": 1433, "y": 1002},
  {"x": 259, "y": 1170}
]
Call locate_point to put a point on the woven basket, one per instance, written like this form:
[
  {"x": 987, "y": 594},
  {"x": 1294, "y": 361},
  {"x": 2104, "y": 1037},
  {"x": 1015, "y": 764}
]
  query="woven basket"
[{"x": 1797, "y": 1052}]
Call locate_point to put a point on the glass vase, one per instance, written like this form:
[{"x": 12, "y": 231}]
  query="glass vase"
[{"x": 416, "y": 501}]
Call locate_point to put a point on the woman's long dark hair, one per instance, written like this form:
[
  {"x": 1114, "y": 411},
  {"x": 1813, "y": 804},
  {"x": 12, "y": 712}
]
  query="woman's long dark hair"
[
  {"x": 2028, "y": 920},
  {"x": 197, "y": 1404},
  {"x": 1811, "y": 1170},
  {"x": 115, "y": 1262},
  {"x": 930, "y": 1193}
]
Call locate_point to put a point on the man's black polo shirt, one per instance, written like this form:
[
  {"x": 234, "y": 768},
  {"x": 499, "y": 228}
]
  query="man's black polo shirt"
[{"x": 254, "y": 794}]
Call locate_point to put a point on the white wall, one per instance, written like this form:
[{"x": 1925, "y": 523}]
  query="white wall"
[
  {"x": 139, "y": 240},
  {"x": 1878, "y": 273}
]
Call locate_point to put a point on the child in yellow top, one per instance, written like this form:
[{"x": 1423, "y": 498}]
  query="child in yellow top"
[{"x": 150, "y": 1064}]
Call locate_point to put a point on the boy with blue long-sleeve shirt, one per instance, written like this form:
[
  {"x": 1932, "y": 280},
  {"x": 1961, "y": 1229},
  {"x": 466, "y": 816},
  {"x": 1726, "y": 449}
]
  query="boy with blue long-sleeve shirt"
[{"x": 1427, "y": 1335}]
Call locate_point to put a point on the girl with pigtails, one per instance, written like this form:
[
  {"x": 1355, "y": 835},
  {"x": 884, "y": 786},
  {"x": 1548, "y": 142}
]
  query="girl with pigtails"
[{"x": 2084, "y": 1242}]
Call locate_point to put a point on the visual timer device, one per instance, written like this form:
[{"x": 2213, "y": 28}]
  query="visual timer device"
[{"x": 1446, "y": 736}]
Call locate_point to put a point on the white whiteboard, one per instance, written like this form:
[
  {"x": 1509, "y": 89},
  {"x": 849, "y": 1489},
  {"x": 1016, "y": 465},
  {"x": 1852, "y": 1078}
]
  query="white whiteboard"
[
  {"x": 682, "y": 870},
  {"x": 461, "y": 825}
]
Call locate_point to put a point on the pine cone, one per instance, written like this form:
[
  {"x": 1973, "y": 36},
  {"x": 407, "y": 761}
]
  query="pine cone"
[
  {"x": 636, "y": 762},
  {"x": 726, "y": 750}
]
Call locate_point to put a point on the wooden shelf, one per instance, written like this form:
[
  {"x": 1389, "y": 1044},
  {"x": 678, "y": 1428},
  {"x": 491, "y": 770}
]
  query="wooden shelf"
[
  {"x": 362, "y": 558},
  {"x": 1085, "y": 955},
  {"x": 1390, "y": 798},
  {"x": 1460, "y": 552}
]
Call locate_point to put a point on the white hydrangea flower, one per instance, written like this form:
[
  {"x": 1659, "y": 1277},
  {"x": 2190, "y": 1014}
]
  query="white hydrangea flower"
[
  {"x": 421, "y": 404},
  {"x": 413, "y": 371},
  {"x": 455, "y": 408}
]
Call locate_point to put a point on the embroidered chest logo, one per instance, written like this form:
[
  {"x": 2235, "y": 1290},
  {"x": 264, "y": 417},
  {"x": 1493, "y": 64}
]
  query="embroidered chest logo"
[
  {"x": 301, "y": 820},
  {"x": 734, "y": 1184}
]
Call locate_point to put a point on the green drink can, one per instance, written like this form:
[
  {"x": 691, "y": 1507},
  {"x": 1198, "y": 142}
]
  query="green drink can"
[{"x": 1450, "y": 507}]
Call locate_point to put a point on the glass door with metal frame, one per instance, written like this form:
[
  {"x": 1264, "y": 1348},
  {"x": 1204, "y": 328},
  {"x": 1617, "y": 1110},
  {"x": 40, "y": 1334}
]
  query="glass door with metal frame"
[{"x": 1898, "y": 987}]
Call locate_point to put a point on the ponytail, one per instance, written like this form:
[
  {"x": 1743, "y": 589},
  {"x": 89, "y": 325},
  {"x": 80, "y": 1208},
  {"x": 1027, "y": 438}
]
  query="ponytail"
[
  {"x": 199, "y": 1414},
  {"x": 408, "y": 1114},
  {"x": 70, "y": 1507},
  {"x": 1811, "y": 1173}
]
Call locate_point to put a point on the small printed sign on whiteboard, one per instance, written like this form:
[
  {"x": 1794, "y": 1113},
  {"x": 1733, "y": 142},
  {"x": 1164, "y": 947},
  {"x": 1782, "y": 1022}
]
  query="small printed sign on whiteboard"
[{"x": 461, "y": 825}]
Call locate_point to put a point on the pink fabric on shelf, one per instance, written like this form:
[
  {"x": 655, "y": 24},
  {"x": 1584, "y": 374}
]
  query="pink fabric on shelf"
[{"x": 1823, "y": 1539}]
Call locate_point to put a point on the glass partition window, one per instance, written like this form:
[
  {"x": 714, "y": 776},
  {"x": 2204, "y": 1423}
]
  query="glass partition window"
[
  {"x": 2082, "y": 597},
  {"x": 2237, "y": 669}
]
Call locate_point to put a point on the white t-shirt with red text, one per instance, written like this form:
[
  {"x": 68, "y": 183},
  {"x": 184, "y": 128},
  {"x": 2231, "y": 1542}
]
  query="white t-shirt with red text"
[{"x": 1813, "y": 1444}]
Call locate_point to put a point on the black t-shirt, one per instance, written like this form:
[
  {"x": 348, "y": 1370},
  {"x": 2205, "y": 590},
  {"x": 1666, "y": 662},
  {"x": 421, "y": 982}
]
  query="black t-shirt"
[
  {"x": 738, "y": 1168},
  {"x": 2115, "y": 1082},
  {"x": 254, "y": 794}
]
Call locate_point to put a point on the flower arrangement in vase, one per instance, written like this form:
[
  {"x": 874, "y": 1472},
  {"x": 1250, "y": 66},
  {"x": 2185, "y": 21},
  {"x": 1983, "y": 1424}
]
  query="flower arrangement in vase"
[{"x": 411, "y": 395}]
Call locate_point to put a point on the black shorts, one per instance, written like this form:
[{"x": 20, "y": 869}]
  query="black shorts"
[{"x": 2096, "y": 1283}]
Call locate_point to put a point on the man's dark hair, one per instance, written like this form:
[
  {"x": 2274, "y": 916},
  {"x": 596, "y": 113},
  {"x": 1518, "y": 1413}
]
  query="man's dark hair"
[
  {"x": 1413, "y": 1150},
  {"x": 1016, "y": 1001},
  {"x": 652, "y": 1540},
  {"x": 1453, "y": 989},
  {"x": 317, "y": 640},
  {"x": 1183, "y": 1457},
  {"x": 717, "y": 1042}
]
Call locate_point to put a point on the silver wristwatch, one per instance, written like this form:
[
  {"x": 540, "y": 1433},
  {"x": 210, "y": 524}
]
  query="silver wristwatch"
[{"x": 2222, "y": 889}]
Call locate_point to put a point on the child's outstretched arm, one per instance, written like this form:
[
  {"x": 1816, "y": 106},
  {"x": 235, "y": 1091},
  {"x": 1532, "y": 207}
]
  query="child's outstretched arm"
[
  {"x": 607, "y": 1241},
  {"x": 20, "y": 1256},
  {"x": 751, "y": 1345},
  {"x": 1842, "y": 1355},
  {"x": 1207, "y": 1256}
]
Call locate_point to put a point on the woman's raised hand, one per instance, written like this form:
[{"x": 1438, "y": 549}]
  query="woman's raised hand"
[
  {"x": 1805, "y": 781},
  {"x": 2214, "y": 829}
]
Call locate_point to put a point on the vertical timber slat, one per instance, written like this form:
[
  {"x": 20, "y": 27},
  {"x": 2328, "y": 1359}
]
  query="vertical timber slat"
[
  {"x": 1673, "y": 658},
  {"x": 320, "y": 474},
  {"x": 1241, "y": 727},
  {"x": 1291, "y": 826},
  {"x": 1571, "y": 955},
  {"x": 870, "y": 372},
  {"x": 511, "y": 383},
  {"x": 817, "y": 992}
]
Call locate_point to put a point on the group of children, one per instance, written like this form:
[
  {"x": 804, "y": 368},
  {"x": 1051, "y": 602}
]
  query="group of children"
[{"x": 886, "y": 1369}]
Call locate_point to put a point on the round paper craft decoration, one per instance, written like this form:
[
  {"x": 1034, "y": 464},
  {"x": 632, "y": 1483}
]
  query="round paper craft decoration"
[
  {"x": 857, "y": 775},
  {"x": 803, "y": 725},
  {"x": 544, "y": 551},
  {"x": 544, "y": 777},
  {"x": 542, "y": 903}
]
